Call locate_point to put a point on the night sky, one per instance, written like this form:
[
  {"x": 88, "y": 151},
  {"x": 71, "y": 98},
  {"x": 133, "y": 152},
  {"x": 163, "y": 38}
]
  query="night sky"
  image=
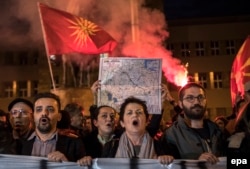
[{"x": 181, "y": 9}]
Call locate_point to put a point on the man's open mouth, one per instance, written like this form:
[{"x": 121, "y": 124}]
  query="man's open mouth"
[{"x": 44, "y": 120}]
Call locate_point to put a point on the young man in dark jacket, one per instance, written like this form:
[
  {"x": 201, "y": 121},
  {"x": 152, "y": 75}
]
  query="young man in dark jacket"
[{"x": 45, "y": 141}]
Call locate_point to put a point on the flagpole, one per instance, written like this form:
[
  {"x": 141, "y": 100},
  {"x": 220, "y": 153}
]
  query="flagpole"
[
  {"x": 51, "y": 73},
  {"x": 134, "y": 7},
  {"x": 47, "y": 52}
]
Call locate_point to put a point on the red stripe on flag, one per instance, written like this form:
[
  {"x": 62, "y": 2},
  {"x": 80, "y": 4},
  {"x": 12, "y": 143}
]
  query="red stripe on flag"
[{"x": 240, "y": 73}]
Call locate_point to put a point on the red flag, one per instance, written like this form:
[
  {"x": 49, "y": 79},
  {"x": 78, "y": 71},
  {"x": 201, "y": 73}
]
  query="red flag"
[
  {"x": 66, "y": 33},
  {"x": 240, "y": 73}
]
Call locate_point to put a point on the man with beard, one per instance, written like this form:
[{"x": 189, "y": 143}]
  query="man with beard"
[
  {"x": 21, "y": 118},
  {"x": 193, "y": 136},
  {"x": 45, "y": 141}
]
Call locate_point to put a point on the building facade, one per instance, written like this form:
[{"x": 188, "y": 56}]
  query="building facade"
[
  {"x": 25, "y": 71},
  {"x": 209, "y": 46}
]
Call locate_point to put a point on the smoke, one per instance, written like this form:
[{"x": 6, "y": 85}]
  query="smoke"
[{"x": 21, "y": 25}]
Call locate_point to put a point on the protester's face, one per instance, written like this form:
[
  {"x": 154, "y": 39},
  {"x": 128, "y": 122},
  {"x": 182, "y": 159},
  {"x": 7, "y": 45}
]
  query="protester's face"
[
  {"x": 21, "y": 117},
  {"x": 46, "y": 115},
  {"x": 105, "y": 121},
  {"x": 88, "y": 124},
  {"x": 194, "y": 108},
  {"x": 134, "y": 118},
  {"x": 77, "y": 120}
]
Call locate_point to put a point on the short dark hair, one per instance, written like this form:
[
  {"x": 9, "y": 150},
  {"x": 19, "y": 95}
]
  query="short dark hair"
[
  {"x": 97, "y": 111},
  {"x": 187, "y": 86},
  {"x": 73, "y": 109},
  {"x": 48, "y": 95},
  {"x": 20, "y": 100},
  {"x": 133, "y": 100}
]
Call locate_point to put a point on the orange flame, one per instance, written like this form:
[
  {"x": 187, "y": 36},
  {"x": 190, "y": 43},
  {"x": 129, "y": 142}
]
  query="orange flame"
[{"x": 180, "y": 77}]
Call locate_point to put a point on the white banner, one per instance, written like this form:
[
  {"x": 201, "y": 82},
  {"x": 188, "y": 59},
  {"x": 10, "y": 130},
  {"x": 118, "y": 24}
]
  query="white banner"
[{"x": 31, "y": 162}]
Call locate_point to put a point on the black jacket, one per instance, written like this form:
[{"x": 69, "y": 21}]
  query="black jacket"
[{"x": 72, "y": 148}]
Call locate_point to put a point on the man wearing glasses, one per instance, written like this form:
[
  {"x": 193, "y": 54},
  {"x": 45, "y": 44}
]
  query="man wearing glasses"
[
  {"x": 21, "y": 118},
  {"x": 193, "y": 136}
]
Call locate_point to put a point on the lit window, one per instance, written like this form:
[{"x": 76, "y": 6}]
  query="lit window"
[
  {"x": 34, "y": 88},
  {"x": 217, "y": 80},
  {"x": 8, "y": 89},
  {"x": 199, "y": 48},
  {"x": 230, "y": 47},
  {"x": 185, "y": 51},
  {"x": 22, "y": 89},
  {"x": 202, "y": 77},
  {"x": 214, "y": 46}
]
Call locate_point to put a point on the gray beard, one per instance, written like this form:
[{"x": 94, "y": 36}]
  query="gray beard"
[{"x": 193, "y": 115}]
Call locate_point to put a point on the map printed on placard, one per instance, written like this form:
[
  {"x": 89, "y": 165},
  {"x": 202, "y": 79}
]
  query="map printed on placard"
[{"x": 125, "y": 77}]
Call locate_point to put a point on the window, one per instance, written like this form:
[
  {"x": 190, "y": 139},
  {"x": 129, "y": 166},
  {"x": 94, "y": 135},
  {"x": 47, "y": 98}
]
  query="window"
[
  {"x": 202, "y": 77},
  {"x": 230, "y": 47},
  {"x": 217, "y": 80},
  {"x": 8, "y": 89},
  {"x": 214, "y": 46},
  {"x": 9, "y": 58},
  {"x": 34, "y": 87},
  {"x": 35, "y": 56},
  {"x": 23, "y": 58},
  {"x": 185, "y": 52},
  {"x": 170, "y": 47},
  {"x": 22, "y": 89},
  {"x": 199, "y": 48}
]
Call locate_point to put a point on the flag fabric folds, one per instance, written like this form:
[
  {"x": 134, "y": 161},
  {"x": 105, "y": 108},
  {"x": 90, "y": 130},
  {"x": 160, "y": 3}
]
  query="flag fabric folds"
[
  {"x": 240, "y": 73},
  {"x": 66, "y": 33}
]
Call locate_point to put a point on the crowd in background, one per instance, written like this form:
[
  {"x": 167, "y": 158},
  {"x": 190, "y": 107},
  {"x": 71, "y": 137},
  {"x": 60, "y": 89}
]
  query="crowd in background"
[{"x": 42, "y": 128}]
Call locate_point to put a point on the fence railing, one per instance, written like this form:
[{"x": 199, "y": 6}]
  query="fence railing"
[{"x": 31, "y": 162}]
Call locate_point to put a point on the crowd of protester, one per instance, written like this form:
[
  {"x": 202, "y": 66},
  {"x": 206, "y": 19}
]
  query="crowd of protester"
[{"x": 42, "y": 128}]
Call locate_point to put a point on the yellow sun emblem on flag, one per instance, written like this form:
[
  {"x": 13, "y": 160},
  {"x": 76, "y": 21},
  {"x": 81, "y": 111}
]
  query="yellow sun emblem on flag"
[{"x": 83, "y": 29}]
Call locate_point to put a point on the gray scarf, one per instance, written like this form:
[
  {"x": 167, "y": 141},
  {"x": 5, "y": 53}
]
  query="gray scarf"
[{"x": 126, "y": 148}]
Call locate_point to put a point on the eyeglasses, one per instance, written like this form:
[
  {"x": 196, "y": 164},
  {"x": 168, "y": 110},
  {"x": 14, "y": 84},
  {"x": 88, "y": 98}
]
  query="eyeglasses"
[
  {"x": 21, "y": 112},
  {"x": 191, "y": 98}
]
